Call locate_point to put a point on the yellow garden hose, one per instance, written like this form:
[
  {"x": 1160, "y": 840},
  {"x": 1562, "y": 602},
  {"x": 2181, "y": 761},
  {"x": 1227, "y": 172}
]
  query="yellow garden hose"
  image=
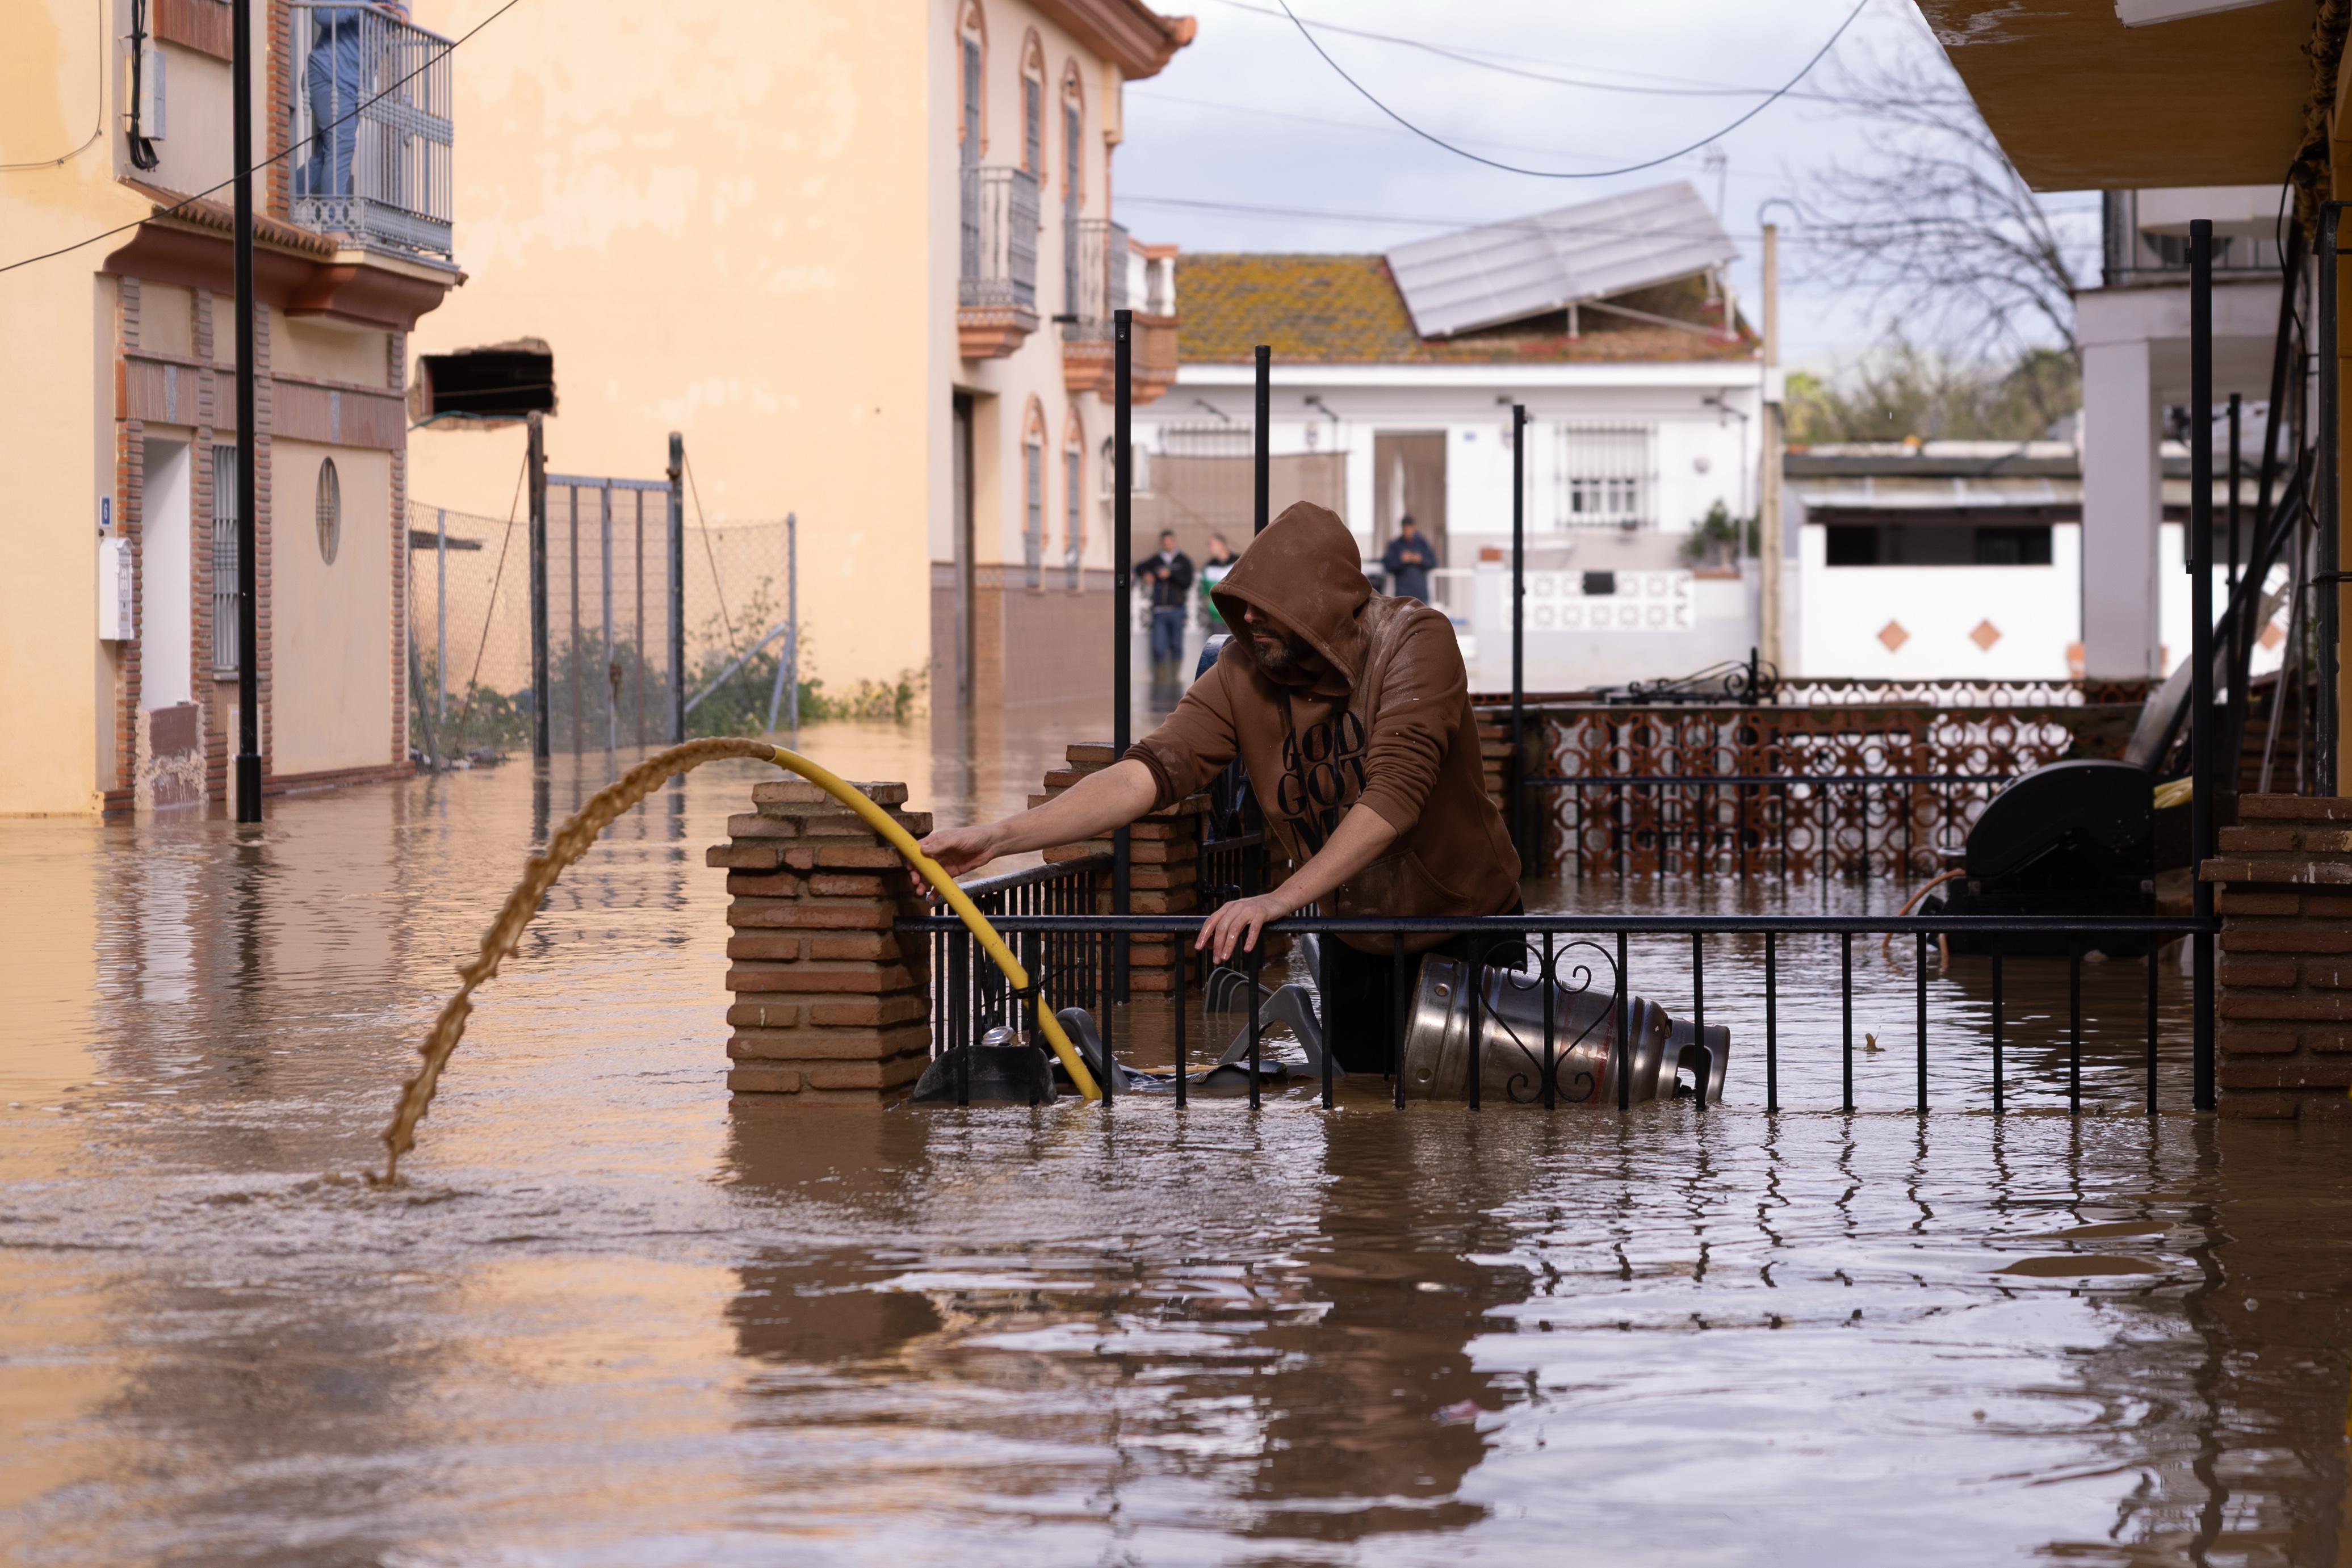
[{"x": 572, "y": 840}]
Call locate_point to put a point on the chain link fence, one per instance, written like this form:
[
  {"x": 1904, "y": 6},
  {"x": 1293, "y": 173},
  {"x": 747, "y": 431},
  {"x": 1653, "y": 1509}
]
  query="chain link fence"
[{"x": 608, "y": 628}]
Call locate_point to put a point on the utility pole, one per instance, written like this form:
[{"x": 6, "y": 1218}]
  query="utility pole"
[
  {"x": 249, "y": 489},
  {"x": 1769, "y": 543}
]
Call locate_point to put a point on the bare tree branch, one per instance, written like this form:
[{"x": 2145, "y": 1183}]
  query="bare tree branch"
[{"x": 1933, "y": 226}]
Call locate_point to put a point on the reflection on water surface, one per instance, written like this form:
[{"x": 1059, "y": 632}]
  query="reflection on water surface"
[{"x": 617, "y": 1321}]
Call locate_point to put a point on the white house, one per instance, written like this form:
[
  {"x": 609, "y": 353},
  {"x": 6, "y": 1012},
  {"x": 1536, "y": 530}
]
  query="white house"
[{"x": 1393, "y": 377}]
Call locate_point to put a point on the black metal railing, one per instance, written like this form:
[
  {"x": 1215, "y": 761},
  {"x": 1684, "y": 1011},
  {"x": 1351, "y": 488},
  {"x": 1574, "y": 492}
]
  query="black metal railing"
[
  {"x": 1890, "y": 825},
  {"x": 970, "y": 996},
  {"x": 1554, "y": 944}
]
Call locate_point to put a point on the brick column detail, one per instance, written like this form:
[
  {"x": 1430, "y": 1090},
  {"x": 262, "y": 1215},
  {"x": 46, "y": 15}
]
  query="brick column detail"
[
  {"x": 829, "y": 1006},
  {"x": 1164, "y": 866},
  {"x": 2283, "y": 1037}
]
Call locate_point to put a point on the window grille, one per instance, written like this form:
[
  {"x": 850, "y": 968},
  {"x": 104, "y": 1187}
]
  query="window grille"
[
  {"x": 1033, "y": 123},
  {"x": 1604, "y": 478},
  {"x": 1206, "y": 440},
  {"x": 225, "y": 561},
  {"x": 1033, "y": 528},
  {"x": 1073, "y": 531}
]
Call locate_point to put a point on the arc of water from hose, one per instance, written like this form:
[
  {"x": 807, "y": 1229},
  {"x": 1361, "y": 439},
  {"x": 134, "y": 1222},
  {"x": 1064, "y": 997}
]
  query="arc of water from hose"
[{"x": 572, "y": 840}]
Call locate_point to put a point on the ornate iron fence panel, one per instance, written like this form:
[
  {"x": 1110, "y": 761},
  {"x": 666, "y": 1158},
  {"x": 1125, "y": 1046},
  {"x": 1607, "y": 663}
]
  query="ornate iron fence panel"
[{"x": 1790, "y": 790}]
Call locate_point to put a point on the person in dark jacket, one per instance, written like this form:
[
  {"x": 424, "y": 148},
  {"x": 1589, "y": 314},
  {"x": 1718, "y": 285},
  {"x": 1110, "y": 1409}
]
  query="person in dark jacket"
[
  {"x": 1170, "y": 575},
  {"x": 1408, "y": 561},
  {"x": 1351, "y": 711}
]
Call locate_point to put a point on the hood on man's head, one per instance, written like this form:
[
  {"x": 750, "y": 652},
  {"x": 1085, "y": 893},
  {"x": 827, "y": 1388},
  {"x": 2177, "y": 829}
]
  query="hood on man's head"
[{"x": 1305, "y": 572}]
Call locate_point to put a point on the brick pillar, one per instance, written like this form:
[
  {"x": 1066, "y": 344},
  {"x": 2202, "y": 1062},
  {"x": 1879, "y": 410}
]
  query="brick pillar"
[
  {"x": 2283, "y": 1038},
  {"x": 828, "y": 1005},
  {"x": 1164, "y": 861}
]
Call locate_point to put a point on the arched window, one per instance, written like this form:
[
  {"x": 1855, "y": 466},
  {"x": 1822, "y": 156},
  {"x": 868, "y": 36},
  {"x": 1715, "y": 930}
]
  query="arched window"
[
  {"x": 1074, "y": 124},
  {"x": 1033, "y": 494},
  {"x": 1032, "y": 105},
  {"x": 1073, "y": 523},
  {"x": 971, "y": 90}
]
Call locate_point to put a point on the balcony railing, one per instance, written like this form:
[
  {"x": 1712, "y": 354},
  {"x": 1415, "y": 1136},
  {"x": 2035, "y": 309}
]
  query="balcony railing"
[
  {"x": 1094, "y": 277},
  {"x": 371, "y": 129},
  {"x": 1000, "y": 238},
  {"x": 2132, "y": 255}
]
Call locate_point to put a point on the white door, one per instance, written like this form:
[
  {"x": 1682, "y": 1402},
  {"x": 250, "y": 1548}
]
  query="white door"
[{"x": 165, "y": 675}]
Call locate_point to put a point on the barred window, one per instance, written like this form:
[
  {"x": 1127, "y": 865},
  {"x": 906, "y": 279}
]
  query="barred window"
[
  {"x": 1604, "y": 477},
  {"x": 224, "y": 561}
]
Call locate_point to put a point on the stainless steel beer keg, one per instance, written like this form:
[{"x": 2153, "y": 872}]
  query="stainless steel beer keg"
[{"x": 1510, "y": 1037}]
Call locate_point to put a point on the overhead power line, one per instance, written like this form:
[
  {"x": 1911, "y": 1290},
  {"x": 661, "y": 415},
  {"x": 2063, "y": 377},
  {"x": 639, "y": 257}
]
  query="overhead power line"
[
  {"x": 1477, "y": 59},
  {"x": 214, "y": 190},
  {"x": 1776, "y": 95}
]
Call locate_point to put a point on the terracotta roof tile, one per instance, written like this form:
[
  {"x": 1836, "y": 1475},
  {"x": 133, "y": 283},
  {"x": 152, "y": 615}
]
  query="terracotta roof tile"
[{"x": 1346, "y": 309}]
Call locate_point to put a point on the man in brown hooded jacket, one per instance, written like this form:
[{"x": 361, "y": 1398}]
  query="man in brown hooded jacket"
[{"x": 1351, "y": 712}]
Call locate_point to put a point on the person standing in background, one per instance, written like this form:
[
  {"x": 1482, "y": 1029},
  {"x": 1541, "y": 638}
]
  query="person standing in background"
[
  {"x": 1169, "y": 573},
  {"x": 1409, "y": 560},
  {"x": 1213, "y": 567}
]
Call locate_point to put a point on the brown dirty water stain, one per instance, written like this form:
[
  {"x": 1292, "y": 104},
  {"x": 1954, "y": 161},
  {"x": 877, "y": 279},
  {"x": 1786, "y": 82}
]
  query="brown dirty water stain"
[{"x": 618, "y": 1321}]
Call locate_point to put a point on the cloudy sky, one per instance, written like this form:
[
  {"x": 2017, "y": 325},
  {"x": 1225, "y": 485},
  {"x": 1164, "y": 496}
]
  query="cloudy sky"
[{"x": 1250, "y": 142}]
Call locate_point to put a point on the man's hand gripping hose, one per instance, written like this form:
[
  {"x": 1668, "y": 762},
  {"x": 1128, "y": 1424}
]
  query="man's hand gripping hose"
[{"x": 572, "y": 841}]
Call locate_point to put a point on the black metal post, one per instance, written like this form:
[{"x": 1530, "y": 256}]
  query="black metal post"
[
  {"x": 2229, "y": 592},
  {"x": 1621, "y": 1055},
  {"x": 541, "y": 742},
  {"x": 249, "y": 489},
  {"x": 1845, "y": 1014},
  {"x": 1919, "y": 1038},
  {"x": 1518, "y": 629},
  {"x": 2324, "y": 603},
  {"x": 1260, "y": 431},
  {"x": 676, "y": 586},
  {"x": 1401, "y": 998},
  {"x": 2201, "y": 769},
  {"x": 1997, "y": 1021},
  {"x": 1122, "y": 673},
  {"x": 1772, "y": 1025}
]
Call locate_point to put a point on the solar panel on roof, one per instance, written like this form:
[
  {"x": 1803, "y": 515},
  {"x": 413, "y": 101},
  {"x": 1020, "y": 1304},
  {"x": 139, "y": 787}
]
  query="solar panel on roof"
[{"x": 1508, "y": 271}]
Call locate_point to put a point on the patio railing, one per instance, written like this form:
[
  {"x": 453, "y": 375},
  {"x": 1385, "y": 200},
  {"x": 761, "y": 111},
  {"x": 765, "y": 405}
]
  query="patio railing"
[{"x": 372, "y": 133}]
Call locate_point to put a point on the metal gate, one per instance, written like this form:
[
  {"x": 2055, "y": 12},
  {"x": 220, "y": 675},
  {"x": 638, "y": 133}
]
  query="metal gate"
[{"x": 613, "y": 597}]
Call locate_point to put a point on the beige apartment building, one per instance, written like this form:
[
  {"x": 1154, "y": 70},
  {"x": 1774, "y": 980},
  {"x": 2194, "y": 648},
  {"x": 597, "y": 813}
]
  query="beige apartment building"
[
  {"x": 861, "y": 255},
  {"x": 118, "y": 628}
]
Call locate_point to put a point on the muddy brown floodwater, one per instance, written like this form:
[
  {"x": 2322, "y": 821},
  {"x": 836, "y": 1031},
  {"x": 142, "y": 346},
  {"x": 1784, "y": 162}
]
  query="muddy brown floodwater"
[{"x": 614, "y": 1321}]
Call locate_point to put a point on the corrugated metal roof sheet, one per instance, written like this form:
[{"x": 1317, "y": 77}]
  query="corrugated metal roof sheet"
[{"x": 1506, "y": 271}]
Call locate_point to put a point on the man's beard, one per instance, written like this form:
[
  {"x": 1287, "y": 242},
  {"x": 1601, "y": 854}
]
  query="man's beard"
[{"x": 1284, "y": 656}]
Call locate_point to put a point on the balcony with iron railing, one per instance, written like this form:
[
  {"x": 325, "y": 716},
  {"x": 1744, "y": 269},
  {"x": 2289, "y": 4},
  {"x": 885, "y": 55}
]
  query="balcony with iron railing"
[
  {"x": 996, "y": 293},
  {"x": 2144, "y": 241},
  {"x": 1101, "y": 270},
  {"x": 369, "y": 130}
]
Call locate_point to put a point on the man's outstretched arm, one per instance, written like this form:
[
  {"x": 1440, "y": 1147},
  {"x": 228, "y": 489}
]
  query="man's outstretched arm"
[
  {"x": 1363, "y": 837},
  {"x": 1088, "y": 809}
]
